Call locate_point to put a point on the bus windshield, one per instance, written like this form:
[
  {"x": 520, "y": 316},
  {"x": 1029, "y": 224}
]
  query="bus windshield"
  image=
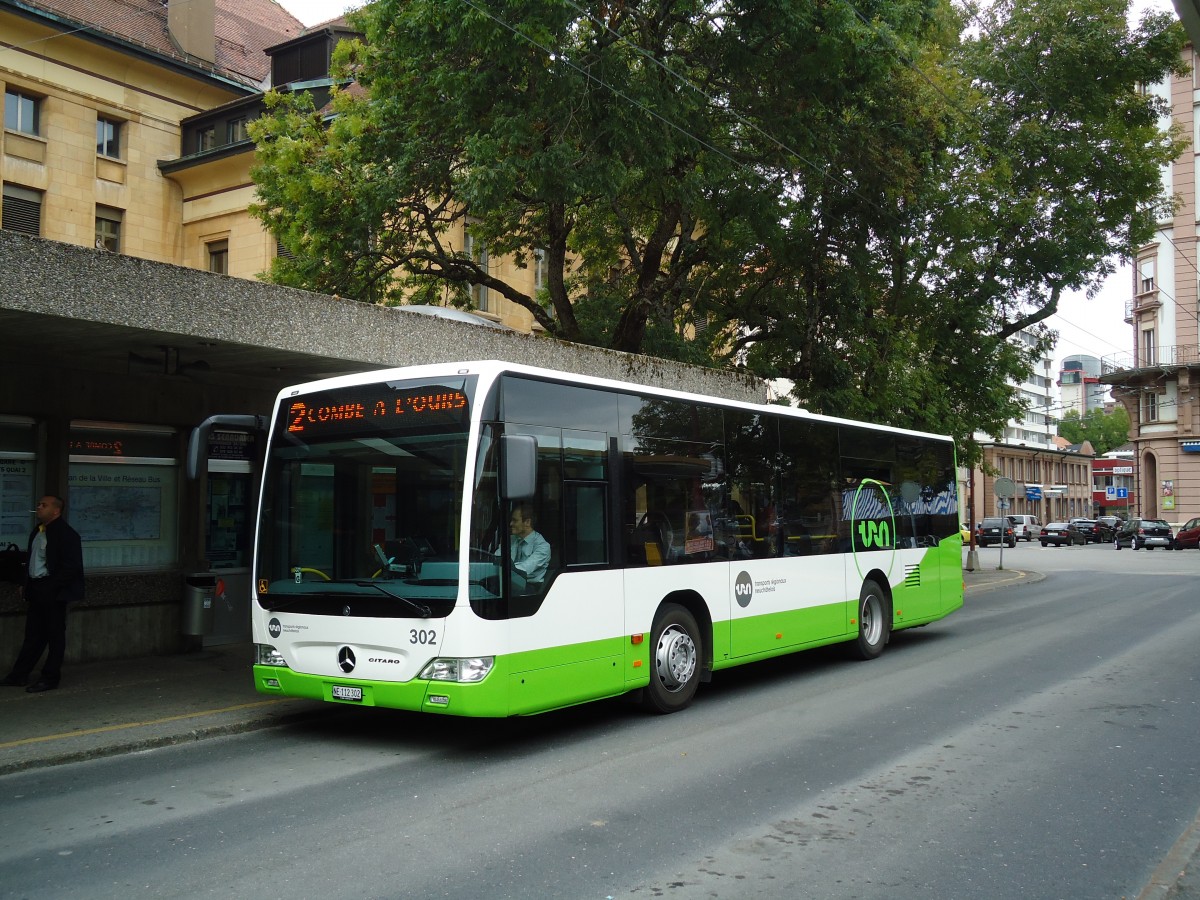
[{"x": 362, "y": 495}]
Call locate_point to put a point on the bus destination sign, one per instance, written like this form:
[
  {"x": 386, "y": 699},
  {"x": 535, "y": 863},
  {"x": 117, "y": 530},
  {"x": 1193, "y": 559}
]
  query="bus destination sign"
[{"x": 375, "y": 406}]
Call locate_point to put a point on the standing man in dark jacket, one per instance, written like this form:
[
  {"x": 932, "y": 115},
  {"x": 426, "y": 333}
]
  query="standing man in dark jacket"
[{"x": 54, "y": 579}]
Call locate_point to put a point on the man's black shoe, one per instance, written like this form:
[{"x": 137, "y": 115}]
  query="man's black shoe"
[
  {"x": 38, "y": 686},
  {"x": 13, "y": 681}
]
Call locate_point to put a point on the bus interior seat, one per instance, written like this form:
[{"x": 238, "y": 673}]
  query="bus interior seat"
[{"x": 652, "y": 539}]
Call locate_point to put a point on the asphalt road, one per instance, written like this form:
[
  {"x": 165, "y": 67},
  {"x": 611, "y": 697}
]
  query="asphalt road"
[{"x": 1040, "y": 743}]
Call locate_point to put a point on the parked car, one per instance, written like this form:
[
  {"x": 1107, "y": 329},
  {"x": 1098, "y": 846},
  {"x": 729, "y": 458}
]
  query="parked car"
[
  {"x": 1089, "y": 530},
  {"x": 1148, "y": 533},
  {"x": 1188, "y": 535},
  {"x": 994, "y": 530},
  {"x": 1057, "y": 533},
  {"x": 1112, "y": 523},
  {"x": 1026, "y": 527}
]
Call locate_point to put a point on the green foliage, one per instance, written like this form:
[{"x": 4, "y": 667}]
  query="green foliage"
[
  {"x": 869, "y": 199},
  {"x": 1106, "y": 431}
]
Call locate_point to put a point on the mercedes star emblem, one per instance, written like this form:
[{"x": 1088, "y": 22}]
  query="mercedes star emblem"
[{"x": 346, "y": 659}]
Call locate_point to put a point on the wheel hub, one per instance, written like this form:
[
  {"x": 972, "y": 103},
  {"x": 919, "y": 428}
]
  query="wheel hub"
[
  {"x": 675, "y": 658},
  {"x": 871, "y": 614}
]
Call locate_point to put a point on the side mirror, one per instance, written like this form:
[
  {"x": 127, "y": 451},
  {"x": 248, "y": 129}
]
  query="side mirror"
[
  {"x": 198, "y": 441},
  {"x": 518, "y": 466}
]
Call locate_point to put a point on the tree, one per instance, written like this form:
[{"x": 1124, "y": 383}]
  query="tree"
[
  {"x": 651, "y": 151},
  {"x": 1047, "y": 172},
  {"x": 1106, "y": 431},
  {"x": 869, "y": 198}
]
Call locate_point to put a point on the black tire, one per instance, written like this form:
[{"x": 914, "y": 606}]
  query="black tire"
[
  {"x": 874, "y": 621},
  {"x": 676, "y": 655},
  {"x": 1133, "y": 544},
  {"x": 1043, "y": 543},
  {"x": 1116, "y": 543}
]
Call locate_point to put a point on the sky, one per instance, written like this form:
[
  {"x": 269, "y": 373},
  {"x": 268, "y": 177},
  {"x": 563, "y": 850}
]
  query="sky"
[
  {"x": 1095, "y": 327},
  {"x": 313, "y": 12}
]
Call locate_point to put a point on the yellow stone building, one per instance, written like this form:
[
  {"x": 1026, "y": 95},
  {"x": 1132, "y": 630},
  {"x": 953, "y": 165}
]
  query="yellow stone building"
[
  {"x": 96, "y": 97},
  {"x": 125, "y": 128}
]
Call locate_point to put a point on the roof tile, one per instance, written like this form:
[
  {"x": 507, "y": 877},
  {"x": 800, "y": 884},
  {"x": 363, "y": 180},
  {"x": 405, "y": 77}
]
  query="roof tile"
[{"x": 244, "y": 29}]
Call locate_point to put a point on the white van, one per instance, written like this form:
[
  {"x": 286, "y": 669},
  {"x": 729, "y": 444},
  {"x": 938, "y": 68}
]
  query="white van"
[{"x": 1026, "y": 527}]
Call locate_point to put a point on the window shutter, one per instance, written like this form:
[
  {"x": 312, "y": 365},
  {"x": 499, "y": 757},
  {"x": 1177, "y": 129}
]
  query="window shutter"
[{"x": 22, "y": 211}]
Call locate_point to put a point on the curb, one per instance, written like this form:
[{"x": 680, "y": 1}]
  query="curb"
[
  {"x": 1004, "y": 579},
  {"x": 136, "y": 745}
]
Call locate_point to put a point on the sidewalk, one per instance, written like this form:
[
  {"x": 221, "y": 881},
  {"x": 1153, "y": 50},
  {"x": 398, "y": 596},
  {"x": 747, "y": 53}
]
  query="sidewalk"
[
  {"x": 987, "y": 577},
  {"x": 119, "y": 706}
]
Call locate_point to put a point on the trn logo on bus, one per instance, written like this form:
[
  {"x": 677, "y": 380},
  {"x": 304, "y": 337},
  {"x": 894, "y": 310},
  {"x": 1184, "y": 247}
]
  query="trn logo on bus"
[
  {"x": 874, "y": 534},
  {"x": 743, "y": 589}
]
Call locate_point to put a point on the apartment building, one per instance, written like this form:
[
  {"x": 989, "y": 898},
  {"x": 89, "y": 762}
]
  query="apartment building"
[
  {"x": 1158, "y": 380},
  {"x": 96, "y": 95},
  {"x": 1079, "y": 385}
]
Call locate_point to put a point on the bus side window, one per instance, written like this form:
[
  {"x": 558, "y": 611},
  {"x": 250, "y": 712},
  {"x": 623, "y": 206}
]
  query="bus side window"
[{"x": 585, "y": 541}]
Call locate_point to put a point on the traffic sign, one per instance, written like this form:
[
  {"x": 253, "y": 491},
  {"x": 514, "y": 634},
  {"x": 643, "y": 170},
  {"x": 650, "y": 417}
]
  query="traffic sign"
[{"x": 1005, "y": 487}]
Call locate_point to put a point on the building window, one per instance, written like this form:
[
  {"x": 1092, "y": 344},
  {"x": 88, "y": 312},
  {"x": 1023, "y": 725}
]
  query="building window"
[
  {"x": 478, "y": 253},
  {"x": 206, "y": 138},
  {"x": 22, "y": 210},
  {"x": 108, "y": 228},
  {"x": 1146, "y": 275},
  {"x": 108, "y": 138},
  {"x": 1148, "y": 348},
  {"x": 539, "y": 271},
  {"x": 218, "y": 257},
  {"x": 21, "y": 112},
  {"x": 1150, "y": 407},
  {"x": 235, "y": 131}
]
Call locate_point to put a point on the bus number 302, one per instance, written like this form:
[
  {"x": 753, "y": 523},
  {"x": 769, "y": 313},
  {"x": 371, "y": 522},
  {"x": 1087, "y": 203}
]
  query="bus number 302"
[{"x": 421, "y": 636}]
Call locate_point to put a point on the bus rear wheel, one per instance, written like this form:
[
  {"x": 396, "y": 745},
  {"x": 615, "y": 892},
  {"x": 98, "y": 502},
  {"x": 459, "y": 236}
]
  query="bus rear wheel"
[
  {"x": 874, "y": 621},
  {"x": 675, "y": 659}
]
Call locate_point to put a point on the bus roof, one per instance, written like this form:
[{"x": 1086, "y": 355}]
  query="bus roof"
[{"x": 491, "y": 369}]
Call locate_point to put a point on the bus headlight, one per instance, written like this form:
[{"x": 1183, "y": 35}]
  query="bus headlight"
[
  {"x": 468, "y": 670},
  {"x": 266, "y": 655}
]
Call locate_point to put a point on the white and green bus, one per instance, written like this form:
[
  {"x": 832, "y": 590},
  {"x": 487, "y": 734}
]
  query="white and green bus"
[{"x": 687, "y": 534}]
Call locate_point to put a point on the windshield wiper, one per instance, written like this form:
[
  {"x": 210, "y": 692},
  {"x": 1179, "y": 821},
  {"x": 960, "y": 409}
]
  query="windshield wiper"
[{"x": 425, "y": 611}]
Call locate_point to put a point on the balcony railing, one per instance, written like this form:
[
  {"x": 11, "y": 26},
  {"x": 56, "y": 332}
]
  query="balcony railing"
[{"x": 1164, "y": 357}]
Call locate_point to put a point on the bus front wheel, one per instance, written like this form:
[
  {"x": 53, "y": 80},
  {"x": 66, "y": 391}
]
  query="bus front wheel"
[
  {"x": 675, "y": 658},
  {"x": 874, "y": 621}
]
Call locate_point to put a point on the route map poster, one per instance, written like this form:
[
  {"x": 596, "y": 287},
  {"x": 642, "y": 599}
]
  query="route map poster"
[{"x": 125, "y": 514}]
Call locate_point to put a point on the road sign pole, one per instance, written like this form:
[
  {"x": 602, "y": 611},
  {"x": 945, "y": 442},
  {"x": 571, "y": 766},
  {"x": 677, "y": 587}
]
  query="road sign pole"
[{"x": 1004, "y": 488}]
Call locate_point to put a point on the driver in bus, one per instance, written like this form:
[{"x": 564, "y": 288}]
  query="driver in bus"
[{"x": 530, "y": 551}]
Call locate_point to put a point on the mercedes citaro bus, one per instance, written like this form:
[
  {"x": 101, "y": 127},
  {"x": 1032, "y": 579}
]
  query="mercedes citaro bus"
[{"x": 687, "y": 534}]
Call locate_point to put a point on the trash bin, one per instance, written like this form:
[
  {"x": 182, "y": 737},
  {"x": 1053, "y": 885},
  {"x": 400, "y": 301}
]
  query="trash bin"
[{"x": 198, "y": 603}]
